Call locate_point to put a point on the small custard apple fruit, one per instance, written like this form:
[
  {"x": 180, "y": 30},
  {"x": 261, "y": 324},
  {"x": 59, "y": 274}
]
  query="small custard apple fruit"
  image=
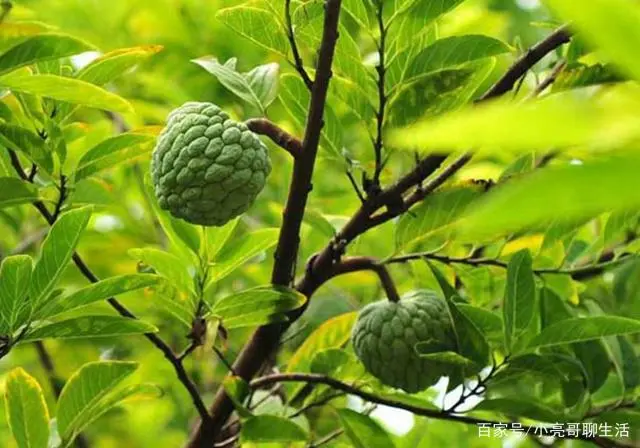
[
  {"x": 207, "y": 168},
  {"x": 386, "y": 333}
]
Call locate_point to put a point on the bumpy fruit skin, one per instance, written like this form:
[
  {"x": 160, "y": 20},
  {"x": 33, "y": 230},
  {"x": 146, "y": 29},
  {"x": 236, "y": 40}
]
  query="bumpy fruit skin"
[
  {"x": 207, "y": 168},
  {"x": 386, "y": 333}
]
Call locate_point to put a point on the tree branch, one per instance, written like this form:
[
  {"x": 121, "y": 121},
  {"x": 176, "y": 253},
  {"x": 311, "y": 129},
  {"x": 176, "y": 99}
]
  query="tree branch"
[
  {"x": 559, "y": 37},
  {"x": 578, "y": 273},
  {"x": 320, "y": 268},
  {"x": 277, "y": 135},
  {"x": 311, "y": 378},
  {"x": 354, "y": 264},
  {"x": 557, "y": 69},
  {"x": 297, "y": 59},
  {"x": 266, "y": 338},
  {"x": 382, "y": 99},
  {"x": 121, "y": 309}
]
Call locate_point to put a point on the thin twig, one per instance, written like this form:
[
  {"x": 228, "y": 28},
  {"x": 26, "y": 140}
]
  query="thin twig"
[
  {"x": 382, "y": 100},
  {"x": 581, "y": 272},
  {"x": 311, "y": 378},
  {"x": 557, "y": 69},
  {"x": 224, "y": 361},
  {"x": 559, "y": 37},
  {"x": 297, "y": 59},
  {"x": 354, "y": 264},
  {"x": 326, "y": 439},
  {"x": 188, "y": 350},
  {"x": 278, "y": 135},
  {"x": 315, "y": 404},
  {"x": 61, "y": 198},
  {"x": 355, "y": 186}
]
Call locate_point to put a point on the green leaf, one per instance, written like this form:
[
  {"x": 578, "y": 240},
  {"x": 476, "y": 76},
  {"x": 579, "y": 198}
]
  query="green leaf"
[
  {"x": 263, "y": 80},
  {"x": 108, "y": 67},
  {"x": 581, "y": 75},
  {"x": 447, "y": 357},
  {"x": 519, "y": 297},
  {"x": 216, "y": 238},
  {"x": 167, "y": 265},
  {"x": 42, "y": 47},
  {"x": 471, "y": 342},
  {"x": 433, "y": 215},
  {"x": 115, "y": 63},
  {"x": 113, "y": 151},
  {"x": 452, "y": 52},
  {"x": 333, "y": 333},
  {"x": 239, "y": 251},
  {"x": 257, "y": 306},
  {"x": 15, "y": 191},
  {"x": 630, "y": 363},
  {"x": 56, "y": 252},
  {"x": 89, "y": 327},
  {"x": 177, "y": 304},
  {"x": 82, "y": 398},
  {"x": 101, "y": 290},
  {"x": 438, "y": 93},
  {"x": 184, "y": 237},
  {"x": 66, "y": 89},
  {"x": 15, "y": 275},
  {"x": 609, "y": 25},
  {"x": 26, "y": 410},
  {"x": 554, "y": 121},
  {"x": 363, "y": 431},
  {"x": 488, "y": 322},
  {"x": 294, "y": 96},
  {"x": 238, "y": 390},
  {"x": 318, "y": 221},
  {"x": 534, "y": 200},
  {"x": 271, "y": 429},
  {"x": 358, "y": 10},
  {"x": 584, "y": 329},
  {"x": 543, "y": 366},
  {"x": 258, "y": 87},
  {"x": 448, "y": 291},
  {"x": 19, "y": 139},
  {"x": 523, "y": 408},
  {"x": 257, "y": 22},
  {"x": 326, "y": 362}
]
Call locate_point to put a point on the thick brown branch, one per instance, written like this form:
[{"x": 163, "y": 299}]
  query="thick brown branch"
[
  {"x": 278, "y": 135},
  {"x": 559, "y": 37},
  {"x": 420, "y": 193},
  {"x": 265, "y": 340}
]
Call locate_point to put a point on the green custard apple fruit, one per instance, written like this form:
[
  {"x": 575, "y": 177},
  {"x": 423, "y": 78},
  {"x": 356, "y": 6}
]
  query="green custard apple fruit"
[
  {"x": 386, "y": 333},
  {"x": 207, "y": 168}
]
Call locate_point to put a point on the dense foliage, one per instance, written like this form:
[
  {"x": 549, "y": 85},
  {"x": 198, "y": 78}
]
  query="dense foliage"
[{"x": 480, "y": 152}]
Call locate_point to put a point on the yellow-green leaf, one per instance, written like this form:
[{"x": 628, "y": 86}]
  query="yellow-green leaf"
[{"x": 26, "y": 410}]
